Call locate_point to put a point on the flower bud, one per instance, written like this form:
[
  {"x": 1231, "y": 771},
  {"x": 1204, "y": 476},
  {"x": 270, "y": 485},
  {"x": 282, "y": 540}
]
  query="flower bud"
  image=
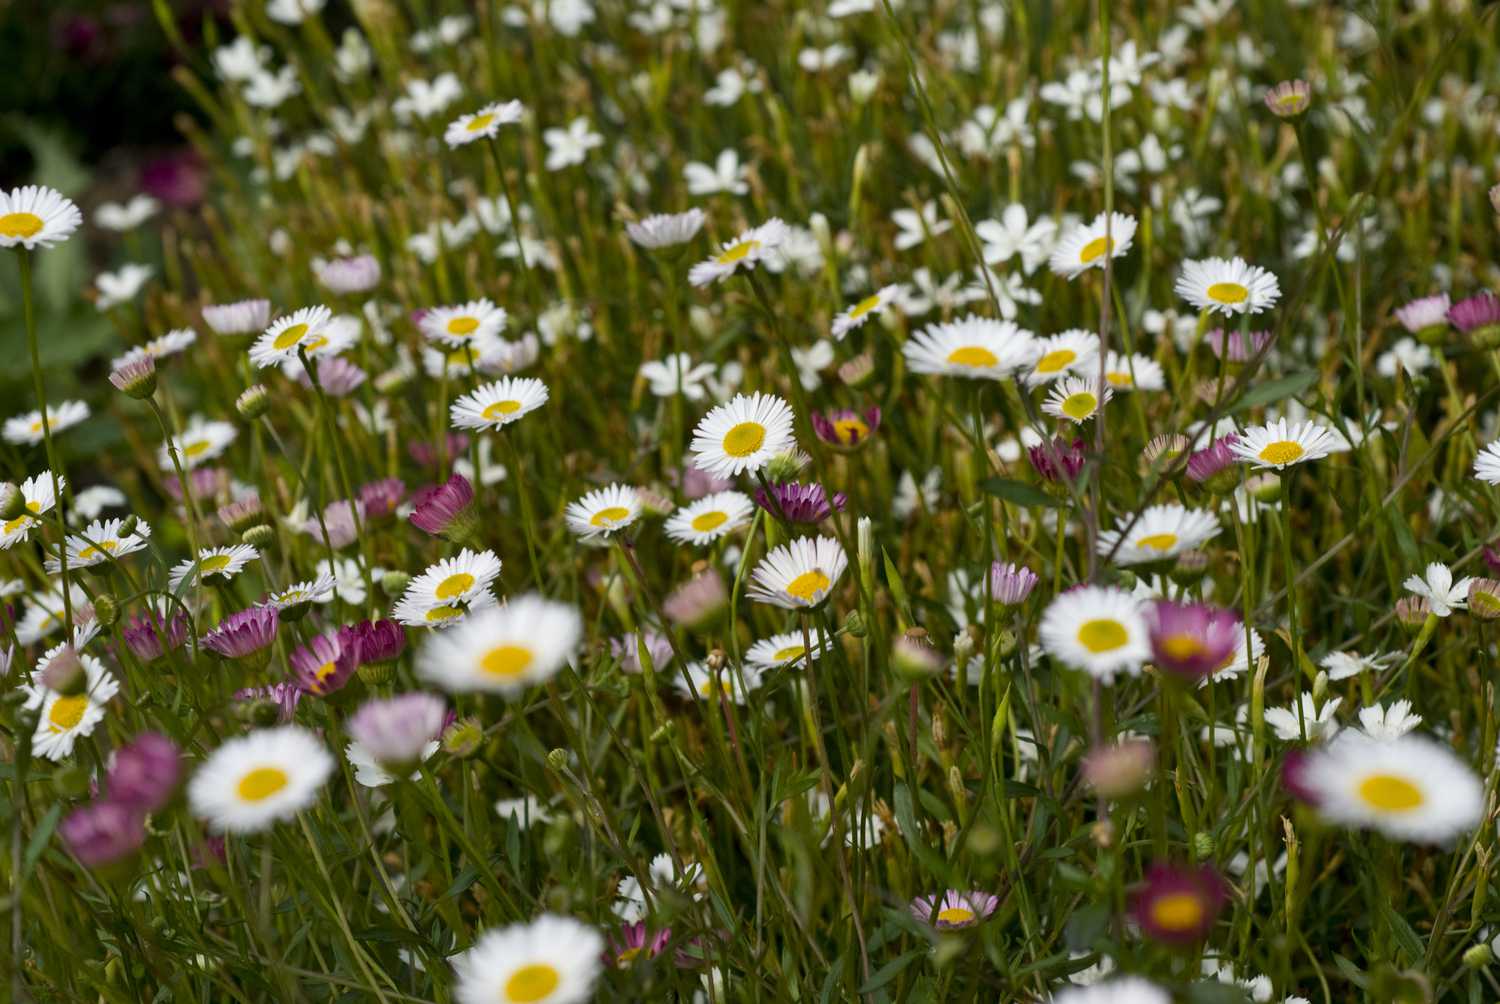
[
  {"x": 463, "y": 738},
  {"x": 259, "y": 536},
  {"x": 1478, "y": 956},
  {"x": 253, "y": 402},
  {"x": 557, "y": 759},
  {"x": 394, "y": 583},
  {"x": 106, "y": 610},
  {"x": 12, "y": 502}
]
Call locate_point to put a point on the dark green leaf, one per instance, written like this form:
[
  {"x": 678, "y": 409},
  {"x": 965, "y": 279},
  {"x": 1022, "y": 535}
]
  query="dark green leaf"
[
  {"x": 1018, "y": 492},
  {"x": 1274, "y": 390}
]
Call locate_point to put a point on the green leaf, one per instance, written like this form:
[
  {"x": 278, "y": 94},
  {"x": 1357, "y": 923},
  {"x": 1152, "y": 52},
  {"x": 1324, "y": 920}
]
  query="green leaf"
[
  {"x": 892, "y": 969},
  {"x": 39, "y": 838},
  {"x": 1274, "y": 390},
  {"x": 913, "y": 833},
  {"x": 1086, "y": 927},
  {"x": 1403, "y": 933},
  {"x": 1018, "y": 492}
]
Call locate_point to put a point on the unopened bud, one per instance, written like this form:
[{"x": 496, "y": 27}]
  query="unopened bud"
[
  {"x": 394, "y": 583},
  {"x": 463, "y": 738},
  {"x": 106, "y": 610},
  {"x": 253, "y": 402},
  {"x": 259, "y": 536},
  {"x": 557, "y": 759},
  {"x": 1478, "y": 956},
  {"x": 64, "y": 673},
  {"x": 854, "y": 625},
  {"x": 12, "y": 502},
  {"x": 1203, "y": 845}
]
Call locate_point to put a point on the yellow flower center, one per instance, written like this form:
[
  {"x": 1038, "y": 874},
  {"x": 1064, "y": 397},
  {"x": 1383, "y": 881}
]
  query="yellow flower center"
[
  {"x": 67, "y": 712},
  {"x": 291, "y": 336},
  {"x": 36, "y": 426},
  {"x": 213, "y": 563},
  {"x": 1119, "y": 378},
  {"x": 788, "y": 654},
  {"x": 499, "y": 408},
  {"x": 323, "y": 673},
  {"x": 1291, "y": 100},
  {"x": 1390, "y": 793},
  {"x": 480, "y": 122},
  {"x": 34, "y": 505},
  {"x": 709, "y": 521},
  {"x": 20, "y": 225},
  {"x": 261, "y": 783},
  {"x": 1178, "y": 911},
  {"x": 1094, "y": 248},
  {"x": 507, "y": 661},
  {"x": 737, "y": 253},
  {"x": 974, "y": 356},
  {"x": 809, "y": 586},
  {"x": 454, "y": 585},
  {"x": 1158, "y": 541},
  {"x": 93, "y": 551},
  {"x": 1079, "y": 406},
  {"x": 1283, "y": 451},
  {"x": 744, "y": 439},
  {"x": 628, "y": 956},
  {"x": 463, "y": 325},
  {"x": 1056, "y": 360},
  {"x": 196, "y": 448},
  {"x": 864, "y": 306},
  {"x": 461, "y": 358},
  {"x": 953, "y": 916},
  {"x": 1102, "y": 635},
  {"x": 1182, "y": 647},
  {"x": 446, "y": 612},
  {"x": 850, "y": 430},
  {"x": 19, "y": 523},
  {"x": 1228, "y": 292},
  {"x": 609, "y": 517}
]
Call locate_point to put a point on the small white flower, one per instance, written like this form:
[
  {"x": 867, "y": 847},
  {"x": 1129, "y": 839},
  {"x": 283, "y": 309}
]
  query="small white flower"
[
  {"x": 1384, "y": 724},
  {"x": 1437, "y": 587},
  {"x": 1320, "y": 723}
]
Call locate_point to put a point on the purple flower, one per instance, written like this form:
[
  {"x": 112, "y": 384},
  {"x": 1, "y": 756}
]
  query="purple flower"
[
  {"x": 696, "y": 484},
  {"x": 1010, "y": 584},
  {"x": 145, "y": 772},
  {"x": 243, "y": 633},
  {"x": 283, "y": 696},
  {"x": 1070, "y": 459},
  {"x": 1237, "y": 347},
  {"x": 845, "y": 428},
  {"x": 1480, "y": 311},
  {"x": 176, "y": 178},
  {"x": 438, "y": 508},
  {"x": 397, "y": 731},
  {"x": 103, "y": 833},
  {"x": 1293, "y": 765},
  {"x": 350, "y": 275},
  {"x": 150, "y": 635},
  {"x": 798, "y": 503},
  {"x": 380, "y": 498},
  {"x": 1212, "y": 459},
  {"x": 633, "y": 941},
  {"x": 336, "y": 375},
  {"x": 954, "y": 910},
  {"x": 1191, "y": 640},
  {"x": 427, "y": 456},
  {"x": 374, "y": 641},
  {"x": 324, "y": 665},
  {"x": 338, "y": 519},
  {"x": 1178, "y": 905},
  {"x": 1428, "y": 312},
  {"x": 626, "y": 650},
  {"x": 206, "y": 482},
  {"x": 1491, "y": 558}
]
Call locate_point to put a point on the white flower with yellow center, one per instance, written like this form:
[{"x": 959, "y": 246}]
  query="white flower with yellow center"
[
  {"x": 221, "y": 562},
  {"x": 550, "y": 960},
  {"x": 742, "y": 434},
  {"x": 1237, "y": 663},
  {"x": 452, "y": 363},
  {"x": 1074, "y": 351},
  {"x": 1408, "y": 788},
  {"x": 319, "y": 590},
  {"x": 1487, "y": 464},
  {"x": 26, "y": 430},
  {"x": 456, "y": 580},
  {"x": 1090, "y": 245},
  {"x": 709, "y": 518},
  {"x": 859, "y": 313},
  {"x": 483, "y": 124},
  {"x": 475, "y": 321},
  {"x": 701, "y": 683},
  {"x": 102, "y": 541},
  {"x": 979, "y": 348},
  {"x": 743, "y": 252},
  {"x": 1077, "y": 399},
  {"x": 1097, "y": 629},
  {"x": 1280, "y": 445},
  {"x": 173, "y": 342},
  {"x": 1133, "y": 372},
  {"x": 253, "y": 781},
  {"x": 785, "y": 649},
  {"x": 1124, "y": 990},
  {"x": 800, "y": 574},
  {"x": 413, "y": 610},
  {"x": 203, "y": 440},
  {"x": 34, "y": 216},
  {"x": 1228, "y": 286},
  {"x": 62, "y": 720},
  {"x": 300, "y": 331},
  {"x": 503, "y": 649},
  {"x": 37, "y": 500},
  {"x": 496, "y": 405},
  {"x": 603, "y": 511},
  {"x": 1161, "y": 532}
]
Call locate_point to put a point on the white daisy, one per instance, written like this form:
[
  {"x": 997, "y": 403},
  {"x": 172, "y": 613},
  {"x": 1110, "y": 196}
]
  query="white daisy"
[
  {"x": 1279, "y": 445},
  {"x": 1237, "y": 662},
  {"x": 1288, "y": 723},
  {"x": 26, "y": 430},
  {"x": 1076, "y": 399},
  {"x": 63, "y": 720},
  {"x": 1134, "y": 372},
  {"x": 744, "y": 252},
  {"x": 483, "y": 124},
  {"x": 1437, "y": 587},
  {"x": 243, "y": 317},
  {"x": 414, "y": 610},
  {"x": 503, "y": 649},
  {"x": 603, "y": 511},
  {"x": 1409, "y": 788},
  {"x": 975, "y": 347},
  {"x": 495, "y": 405},
  {"x": 34, "y": 216},
  {"x": 1161, "y": 532},
  {"x": 1385, "y": 724},
  {"x": 709, "y": 518},
  {"x": 742, "y": 434},
  {"x": 1097, "y": 629},
  {"x": 664, "y": 230},
  {"x": 1124, "y": 990},
  {"x": 174, "y": 341},
  {"x": 785, "y": 649},
  {"x": 101, "y": 541},
  {"x": 859, "y": 313},
  {"x": 300, "y": 330},
  {"x": 1087, "y": 246},
  {"x": 1228, "y": 286},
  {"x": 370, "y": 773},
  {"x": 1343, "y": 665},
  {"x": 224, "y": 562},
  {"x": 459, "y": 579},
  {"x": 253, "y": 781},
  {"x": 550, "y": 960},
  {"x": 203, "y": 440},
  {"x": 1487, "y": 464},
  {"x": 38, "y": 499},
  {"x": 1066, "y": 352},
  {"x": 318, "y": 590},
  {"x": 799, "y": 574},
  {"x": 466, "y": 323},
  {"x": 698, "y": 682}
]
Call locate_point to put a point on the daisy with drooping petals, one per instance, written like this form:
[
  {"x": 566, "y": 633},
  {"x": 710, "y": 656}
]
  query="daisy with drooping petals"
[
  {"x": 799, "y": 574},
  {"x": 495, "y": 405},
  {"x": 503, "y": 649},
  {"x": 301, "y": 330},
  {"x": 1161, "y": 532},
  {"x": 475, "y": 321},
  {"x": 203, "y": 440},
  {"x": 256, "y": 780},
  {"x": 240, "y": 318},
  {"x": 26, "y": 430},
  {"x": 785, "y": 649},
  {"x": 1228, "y": 286},
  {"x": 742, "y": 434},
  {"x": 483, "y": 124},
  {"x": 1097, "y": 629},
  {"x": 862, "y": 311},
  {"x": 1077, "y": 399},
  {"x": 602, "y": 512},
  {"x": 665, "y": 230},
  {"x": 1487, "y": 464},
  {"x": 1408, "y": 788},
  {"x": 37, "y": 498},
  {"x": 34, "y": 216},
  {"x": 1087, "y": 246},
  {"x": 1133, "y": 372},
  {"x": 1059, "y": 355},
  {"x": 709, "y": 518},
  {"x": 551, "y": 960},
  {"x": 102, "y": 541},
  {"x": 1125, "y": 990},
  {"x": 224, "y": 562},
  {"x": 743, "y": 252},
  {"x": 1279, "y": 445},
  {"x": 979, "y": 348}
]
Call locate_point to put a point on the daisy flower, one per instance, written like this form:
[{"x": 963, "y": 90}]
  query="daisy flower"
[
  {"x": 1227, "y": 286},
  {"x": 785, "y": 649},
  {"x": 224, "y": 562},
  {"x": 1288, "y": 723},
  {"x": 1279, "y": 445},
  {"x": 1343, "y": 665},
  {"x": 743, "y": 252},
  {"x": 665, "y": 230},
  {"x": 319, "y": 590},
  {"x": 709, "y": 518},
  {"x": 1133, "y": 372},
  {"x": 1437, "y": 587},
  {"x": 1097, "y": 629},
  {"x": 742, "y": 434},
  {"x": 203, "y": 440},
  {"x": 1409, "y": 788},
  {"x": 974, "y": 347},
  {"x": 35, "y": 216},
  {"x": 1178, "y": 905},
  {"x": 1385, "y": 724},
  {"x": 26, "y": 430},
  {"x": 799, "y": 574},
  {"x": 241, "y": 318},
  {"x": 1125, "y": 990},
  {"x": 698, "y": 682},
  {"x": 458, "y": 579},
  {"x": 1487, "y": 464},
  {"x": 173, "y": 342},
  {"x": 1237, "y": 662},
  {"x": 1076, "y": 399},
  {"x": 255, "y": 780},
  {"x": 495, "y": 405},
  {"x": 412, "y": 611},
  {"x": 1061, "y": 354},
  {"x": 862, "y": 311},
  {"x": 550, "y": 960},
  {"x": 102, "y": 541},
  {"x": 602, "y": 512},
  {"x": 1161, "y": 532},
  {"x": 63, "y": 719},
  {"x": 1086, "y": 246},
  {"x": 302, "y": 330},
  {"x": 38, "y": 499},
  {"x": 503, "y": 649},
  {"x": 483, "y": 124},
  {"x": 475, "y": 321}
]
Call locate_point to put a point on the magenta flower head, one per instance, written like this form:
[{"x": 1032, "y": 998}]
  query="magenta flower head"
[
  {"x": 1209, "y": 465},
  {"x": 632, "y": 941},
  {"x": 846, "y": 429},
  {"x": 954, "y": 910},
  {"x": 1293, "y": 767},
  {"x": 697, "y": 484},
  {"x": 145, "y": 772},
  {"x": 336, "y": 375},
  {"x": 1191, "y": 640},
  {"x": 1177, "y": 904},
  {"x": 398, "y": 731},
  {"x": 446, "y": 510},
  {"x": 1427, "y": 317},
  {"x": 795, "y": 502},
  {"x": 380, "y": 498},
  {"x": 270, "y": 705},
  {"x": 1069, "y": 459},
  {"x": 427, "y": 455},
  {"x": 375, "y": 641},
  {"x": 324, "y": 665},
  {"x": 103, "y": 833},
  {"x": 1011, "y": 584},
  {"x": 1479, "y": 318},
  {"x": 245, "y": 634},
  {"x": 1492, "y": 558},
  {"x": 1237, "y": 347},
  {"x": 338, "y": 519}
]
